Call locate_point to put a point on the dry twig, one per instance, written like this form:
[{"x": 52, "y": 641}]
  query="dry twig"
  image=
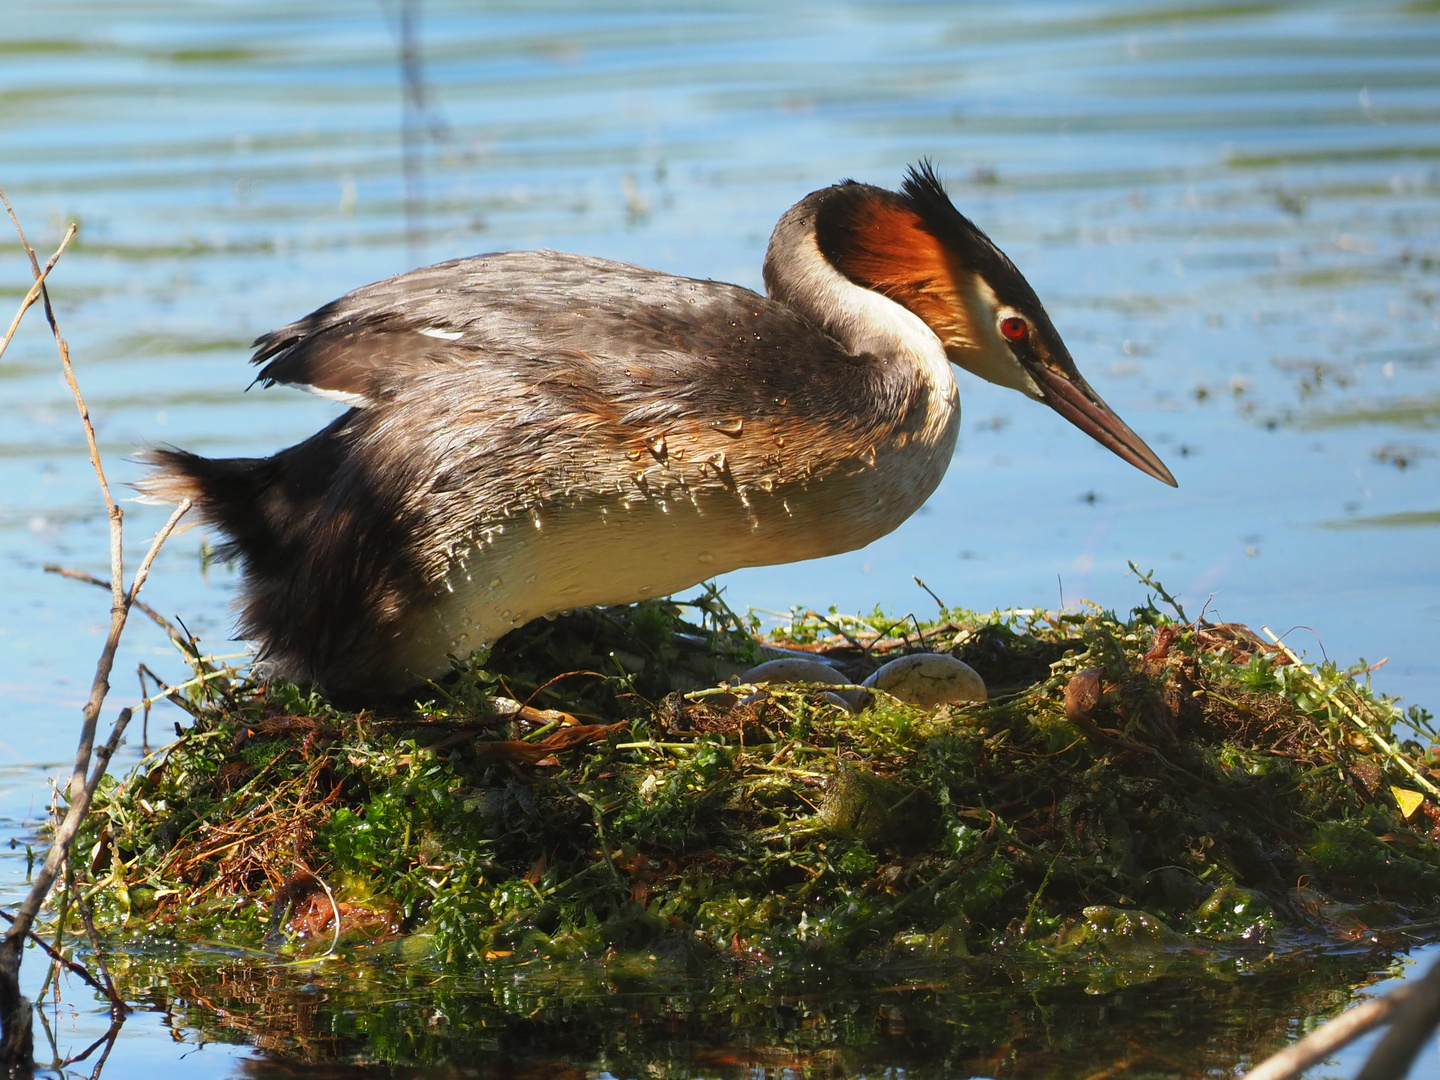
[
  {"x": 60, "y": 958},
  {"x": 183, "y": 642},
  {"x": 36, "y": 289},
  {"x": 1329, "y": 1037},
  {"x": 1390, "y": 750},
  {"x": 1411, "y": 1010},
  {"x": 1414, "y": 1019},
  {"x": 16, "y": 1038}
]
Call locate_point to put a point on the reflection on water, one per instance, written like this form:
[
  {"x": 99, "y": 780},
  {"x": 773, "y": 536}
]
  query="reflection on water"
[
  {"x": 1184, "y": 1015},
  {"x": 1387, "y": 521},
  {"x": 1230, "y": 210}
]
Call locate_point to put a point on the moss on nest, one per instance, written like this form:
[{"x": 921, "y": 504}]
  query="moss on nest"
[{"x": 1135, "y": 784}]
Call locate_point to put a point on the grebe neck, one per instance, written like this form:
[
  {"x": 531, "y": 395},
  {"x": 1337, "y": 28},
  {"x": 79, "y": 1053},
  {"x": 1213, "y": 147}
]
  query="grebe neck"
[{"x": 798, "y": 275}]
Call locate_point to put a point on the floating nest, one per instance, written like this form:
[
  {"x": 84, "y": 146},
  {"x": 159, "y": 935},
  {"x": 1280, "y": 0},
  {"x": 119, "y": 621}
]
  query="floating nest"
[{"x": 1135, "y": 788}]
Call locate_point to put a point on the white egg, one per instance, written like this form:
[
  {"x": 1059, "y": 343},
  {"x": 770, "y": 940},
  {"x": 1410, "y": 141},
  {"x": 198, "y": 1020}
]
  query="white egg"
[
  {"x": 795, "y": 669},
  {"x": 929, "y": 679}
]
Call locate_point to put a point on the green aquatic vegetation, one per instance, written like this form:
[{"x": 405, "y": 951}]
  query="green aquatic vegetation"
[{"x": 1134, "y": 786}]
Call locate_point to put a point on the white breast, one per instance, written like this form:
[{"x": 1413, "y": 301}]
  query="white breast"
[{"x": 684, "y": 526}]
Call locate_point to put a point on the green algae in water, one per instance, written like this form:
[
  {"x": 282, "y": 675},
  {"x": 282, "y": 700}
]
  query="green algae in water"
[{"x": 1213, "y": 811}]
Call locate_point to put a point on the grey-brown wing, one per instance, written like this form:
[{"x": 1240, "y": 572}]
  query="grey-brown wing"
[{"x": 537, "y": 310}]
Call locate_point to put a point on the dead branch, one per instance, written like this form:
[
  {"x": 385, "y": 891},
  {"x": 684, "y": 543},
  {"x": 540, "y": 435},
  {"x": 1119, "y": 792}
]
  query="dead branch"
[
  {"x": 65, "y": 832},
  {"x": 1414, "y": 1020},
  {"x": 82, "y": 789},
  {"x": 1328, "y": 1037},
  {"x": 1412, "y": 1011},
  {"x": 16, "y": 1036},
  {"x": 73, "y": 966},
  {"x": 36, "y": 289},
  {"x": 118, "y": 1008},
  {"x": 184, "y": 643}
]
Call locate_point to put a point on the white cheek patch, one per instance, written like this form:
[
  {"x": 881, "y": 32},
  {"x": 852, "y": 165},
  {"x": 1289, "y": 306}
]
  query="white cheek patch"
[
  {"x": 989, "y": 356},
  {"x": 1028, "y": 385}
]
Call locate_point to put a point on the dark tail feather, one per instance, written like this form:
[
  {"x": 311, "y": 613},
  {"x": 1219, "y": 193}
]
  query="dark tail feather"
[
  {"x": 324, "y": 558},
  {"x": 227, "y": 493}
]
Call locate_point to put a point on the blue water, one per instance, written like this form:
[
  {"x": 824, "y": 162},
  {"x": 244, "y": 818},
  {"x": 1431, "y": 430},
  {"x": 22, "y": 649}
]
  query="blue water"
[{"x": 1230, "y": 211}]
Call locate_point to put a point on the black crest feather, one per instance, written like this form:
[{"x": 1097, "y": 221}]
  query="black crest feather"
[{"x": 926, "y": 195}]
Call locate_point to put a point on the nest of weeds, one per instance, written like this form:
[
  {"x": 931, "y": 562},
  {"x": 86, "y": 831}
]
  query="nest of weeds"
[{"x": 1136, "y": 785}]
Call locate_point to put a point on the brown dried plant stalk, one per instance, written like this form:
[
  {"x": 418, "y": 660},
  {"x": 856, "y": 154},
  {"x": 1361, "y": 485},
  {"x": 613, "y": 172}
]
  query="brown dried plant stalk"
[
  {"x": 16, "y": 1040},
  {"x": 1411, "y": 1011}
]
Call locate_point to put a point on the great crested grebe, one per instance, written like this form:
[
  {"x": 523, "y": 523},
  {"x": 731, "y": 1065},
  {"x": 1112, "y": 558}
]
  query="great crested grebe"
[{"x": 535, "y": 431}]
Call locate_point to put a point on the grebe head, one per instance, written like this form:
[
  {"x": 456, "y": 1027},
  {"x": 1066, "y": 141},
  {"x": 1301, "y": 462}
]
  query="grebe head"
[{"x": 914, "y": 248}]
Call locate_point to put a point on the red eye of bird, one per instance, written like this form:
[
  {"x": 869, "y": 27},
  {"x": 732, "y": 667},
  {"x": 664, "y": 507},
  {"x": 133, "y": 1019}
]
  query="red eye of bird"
[{"x": 1014, "y": 328}]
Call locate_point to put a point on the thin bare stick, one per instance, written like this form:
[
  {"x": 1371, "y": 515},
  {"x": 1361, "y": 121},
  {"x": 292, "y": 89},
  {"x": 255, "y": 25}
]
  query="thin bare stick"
[
  {"x": 100, "y": 686},
  {"x": 57, "y": 956},
  {"x": 116, "y": 515},
  {"x": 1390, "y": 750},
  {"x": 938, "y": 601},
  {"x": 34, "y": 264},
  {"x": 1414, "y": 1020},
  {"x": 143, "y": 571},
  {"x": 145, "y": 704},
  {"x": 182, "y": 642},
  {"x": 118, "y": 1008},
  {"x": 35, "y": 290},
  {"x": 65, "y": 832},
  {"x": 16, "y": 1038},
  {"x": 1331, "y": 1036}
]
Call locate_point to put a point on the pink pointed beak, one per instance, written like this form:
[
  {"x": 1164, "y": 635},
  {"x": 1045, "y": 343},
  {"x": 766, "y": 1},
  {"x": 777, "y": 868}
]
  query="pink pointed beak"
[{"x": 1072, "y": 397}]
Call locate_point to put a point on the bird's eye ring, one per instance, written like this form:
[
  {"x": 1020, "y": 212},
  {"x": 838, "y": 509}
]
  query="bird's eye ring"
[{"x": 1014, "y": 328}]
